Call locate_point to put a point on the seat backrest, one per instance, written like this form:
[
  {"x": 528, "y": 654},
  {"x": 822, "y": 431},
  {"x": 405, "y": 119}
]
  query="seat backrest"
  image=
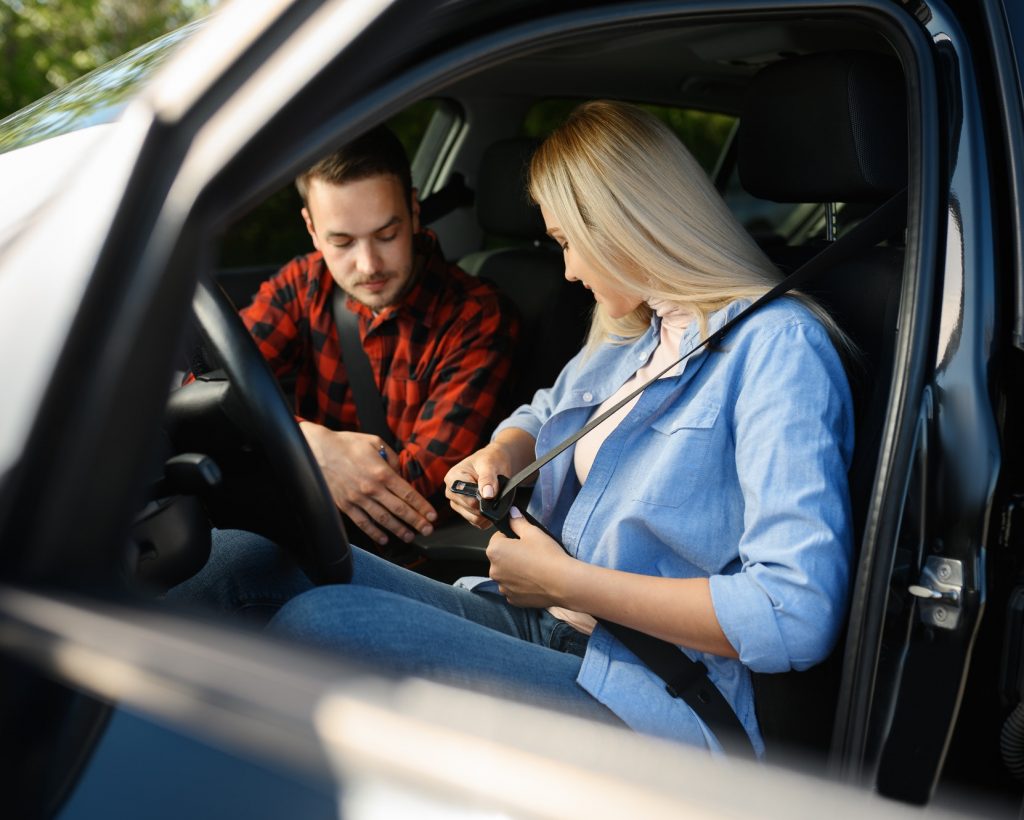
[
  {"x": 527, "y": 268},
  {"x": 832, "y": 128}
]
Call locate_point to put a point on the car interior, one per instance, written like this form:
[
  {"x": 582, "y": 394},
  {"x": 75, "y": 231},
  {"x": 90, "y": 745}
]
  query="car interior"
[
  {"x": 810, "y": 134},
  {"x": 802, "y": 123}
]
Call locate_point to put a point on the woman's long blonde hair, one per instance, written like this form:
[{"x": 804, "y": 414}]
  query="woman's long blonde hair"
[{"x": 632, "y": 200}]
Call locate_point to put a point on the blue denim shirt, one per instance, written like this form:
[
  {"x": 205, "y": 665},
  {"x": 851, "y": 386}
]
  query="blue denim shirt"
[{"x": 733, "y": 470}]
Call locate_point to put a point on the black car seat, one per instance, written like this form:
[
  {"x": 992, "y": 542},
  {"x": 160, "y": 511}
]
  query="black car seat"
[
  {"x": 817, "y": 129},
  {"x": 527, "y": 267}
]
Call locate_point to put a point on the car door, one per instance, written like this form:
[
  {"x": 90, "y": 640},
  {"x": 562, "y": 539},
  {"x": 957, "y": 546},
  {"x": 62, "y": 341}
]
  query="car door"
[{"x": 918, "y": 611}]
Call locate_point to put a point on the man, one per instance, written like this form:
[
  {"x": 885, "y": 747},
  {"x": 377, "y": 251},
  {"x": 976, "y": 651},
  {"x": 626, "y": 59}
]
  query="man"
[{"x": 438, "y": 342}]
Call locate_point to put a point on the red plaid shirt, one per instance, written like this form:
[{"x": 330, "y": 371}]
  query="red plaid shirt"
[{"x": 441, "y": 357}]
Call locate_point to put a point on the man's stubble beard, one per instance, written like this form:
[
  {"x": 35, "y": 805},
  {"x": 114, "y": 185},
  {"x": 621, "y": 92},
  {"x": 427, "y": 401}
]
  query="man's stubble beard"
[{"x": 414, "y": 275}]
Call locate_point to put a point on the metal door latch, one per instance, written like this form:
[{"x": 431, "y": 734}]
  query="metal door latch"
[{"x": 940, "y": 589}]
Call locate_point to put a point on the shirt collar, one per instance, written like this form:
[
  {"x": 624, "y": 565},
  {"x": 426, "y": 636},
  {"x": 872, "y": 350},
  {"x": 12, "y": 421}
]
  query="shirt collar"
[{"x": 691, "y": 335}]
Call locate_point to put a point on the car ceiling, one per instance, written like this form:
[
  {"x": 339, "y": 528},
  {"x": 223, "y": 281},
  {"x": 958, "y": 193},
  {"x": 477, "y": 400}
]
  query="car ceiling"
[{"x": 701, "y": 66}]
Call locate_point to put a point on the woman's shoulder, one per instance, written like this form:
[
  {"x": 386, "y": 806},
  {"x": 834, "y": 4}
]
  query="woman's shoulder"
[
  {"x": 786, "y": 346},
  {"x": 787, "y": 317}
]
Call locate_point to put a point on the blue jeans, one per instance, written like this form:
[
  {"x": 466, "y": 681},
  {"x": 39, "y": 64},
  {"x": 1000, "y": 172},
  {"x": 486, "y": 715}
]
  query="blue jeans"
[{"x": 402, "y": 621}]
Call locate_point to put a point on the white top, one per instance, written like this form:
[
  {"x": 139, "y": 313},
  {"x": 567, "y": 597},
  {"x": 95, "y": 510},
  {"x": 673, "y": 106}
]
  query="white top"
[{"x": 674, "y": 321}]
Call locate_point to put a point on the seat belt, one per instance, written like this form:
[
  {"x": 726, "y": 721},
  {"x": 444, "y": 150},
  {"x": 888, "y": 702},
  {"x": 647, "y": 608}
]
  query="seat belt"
[
  {"x": 367, "y": 398},
  {"x": 685, "y": 678}
]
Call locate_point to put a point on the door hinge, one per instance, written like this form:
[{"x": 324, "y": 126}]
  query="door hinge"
[{"x": 940, "y": 591}]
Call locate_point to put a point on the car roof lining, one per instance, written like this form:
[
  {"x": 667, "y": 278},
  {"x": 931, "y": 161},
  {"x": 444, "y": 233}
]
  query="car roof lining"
[{"x": 712, "y": 62}]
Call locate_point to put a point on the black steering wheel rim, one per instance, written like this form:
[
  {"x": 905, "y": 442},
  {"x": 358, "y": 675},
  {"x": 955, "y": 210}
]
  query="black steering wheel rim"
[{"x": 323, "y": 551}]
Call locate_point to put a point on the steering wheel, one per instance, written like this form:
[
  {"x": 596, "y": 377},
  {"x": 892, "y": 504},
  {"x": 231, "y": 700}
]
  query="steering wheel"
[{"x": 322, "y": 549}]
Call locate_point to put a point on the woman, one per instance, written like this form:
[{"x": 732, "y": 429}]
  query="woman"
[{"x": 711, "y": 511}]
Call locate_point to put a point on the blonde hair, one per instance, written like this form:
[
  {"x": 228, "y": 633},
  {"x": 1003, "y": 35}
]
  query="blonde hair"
[{"x": 632, "y": 200}]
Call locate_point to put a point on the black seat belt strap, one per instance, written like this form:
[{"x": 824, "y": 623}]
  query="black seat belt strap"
[
  {"x": 369, "y": 404},
  {"x": 688, "y": 680}
]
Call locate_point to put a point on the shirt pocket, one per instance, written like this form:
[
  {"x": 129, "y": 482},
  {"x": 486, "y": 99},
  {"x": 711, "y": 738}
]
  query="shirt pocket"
[{"x": 679, "y": 455}]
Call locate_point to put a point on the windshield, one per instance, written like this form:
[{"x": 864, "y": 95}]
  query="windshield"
[{"x": 98, "y": 97}]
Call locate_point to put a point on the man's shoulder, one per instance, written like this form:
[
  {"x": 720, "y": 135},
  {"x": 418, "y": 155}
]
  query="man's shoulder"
[
  {"x": 472, "y": 287},
  {"x": 293, "y": 288},
  {"x": 299, "y": 279},
  {"x": 455, "y": 287},
  {"x": 307, "y": 266}
]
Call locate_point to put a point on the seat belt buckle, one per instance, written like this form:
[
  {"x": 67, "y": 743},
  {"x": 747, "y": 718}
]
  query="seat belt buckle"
[{"x": 496, "y": 509}]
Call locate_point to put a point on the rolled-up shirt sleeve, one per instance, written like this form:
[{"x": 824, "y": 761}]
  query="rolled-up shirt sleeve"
[{"x": 792, "y": 425}]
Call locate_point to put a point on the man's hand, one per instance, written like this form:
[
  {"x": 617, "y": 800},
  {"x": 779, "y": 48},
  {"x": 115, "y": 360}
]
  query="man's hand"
[{"x": 367, "y": 487}]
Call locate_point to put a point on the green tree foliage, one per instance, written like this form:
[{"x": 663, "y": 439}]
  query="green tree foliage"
[{"x": 44, "y": 44}]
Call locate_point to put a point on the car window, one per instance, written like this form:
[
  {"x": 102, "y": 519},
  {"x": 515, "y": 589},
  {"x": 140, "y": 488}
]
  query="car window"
[
  {"x": 98, "y": 97},
  {"x": 707, "y": 134},
  {"x": 410, "y": 126}
]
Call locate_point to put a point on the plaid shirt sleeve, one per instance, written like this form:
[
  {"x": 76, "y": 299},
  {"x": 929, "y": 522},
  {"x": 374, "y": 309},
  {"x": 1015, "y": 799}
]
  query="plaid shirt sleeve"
[
  {"x": 276, "y": 315},
  {"x": 465, "y": 396}
]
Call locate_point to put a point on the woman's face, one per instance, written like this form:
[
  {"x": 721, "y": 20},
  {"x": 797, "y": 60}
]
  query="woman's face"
[{"x": 605, "y": 290}]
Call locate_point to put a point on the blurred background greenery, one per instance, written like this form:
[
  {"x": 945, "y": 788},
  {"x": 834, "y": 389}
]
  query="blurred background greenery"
[{"x": 44, "y": 44}]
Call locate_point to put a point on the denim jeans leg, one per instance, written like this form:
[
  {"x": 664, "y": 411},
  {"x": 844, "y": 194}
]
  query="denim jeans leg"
[
  {"x": 491, "y": 610},
  {"x": 246, "y": 574},
  {"x": 414, "y": 625}
]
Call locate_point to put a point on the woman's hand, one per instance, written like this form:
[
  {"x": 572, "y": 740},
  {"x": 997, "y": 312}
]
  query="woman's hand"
[
  {"x": 529, "y": 569},
  {"x": 511, "y": 450},
  {"x": 482, "y": 468}
]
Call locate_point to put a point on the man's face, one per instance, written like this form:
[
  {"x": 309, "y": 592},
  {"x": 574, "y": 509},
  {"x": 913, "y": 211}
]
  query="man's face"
[{"x": 364, "y": 230}]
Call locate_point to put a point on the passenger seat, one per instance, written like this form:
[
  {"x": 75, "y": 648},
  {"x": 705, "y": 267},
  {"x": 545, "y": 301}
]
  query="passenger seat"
[{"x": 833, "y": 128}]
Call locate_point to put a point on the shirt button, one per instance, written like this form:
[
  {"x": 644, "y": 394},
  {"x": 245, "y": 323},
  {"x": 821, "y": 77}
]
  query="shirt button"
[{"x": 588, "y": 396}]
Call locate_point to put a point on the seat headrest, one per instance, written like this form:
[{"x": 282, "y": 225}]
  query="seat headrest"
[
  {"x": 825, "y": 128},
  {"x": 503, "y": 203}
]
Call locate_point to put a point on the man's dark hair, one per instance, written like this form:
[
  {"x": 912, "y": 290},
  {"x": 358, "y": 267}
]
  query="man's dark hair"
[{"x": 375, "y": 153}]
